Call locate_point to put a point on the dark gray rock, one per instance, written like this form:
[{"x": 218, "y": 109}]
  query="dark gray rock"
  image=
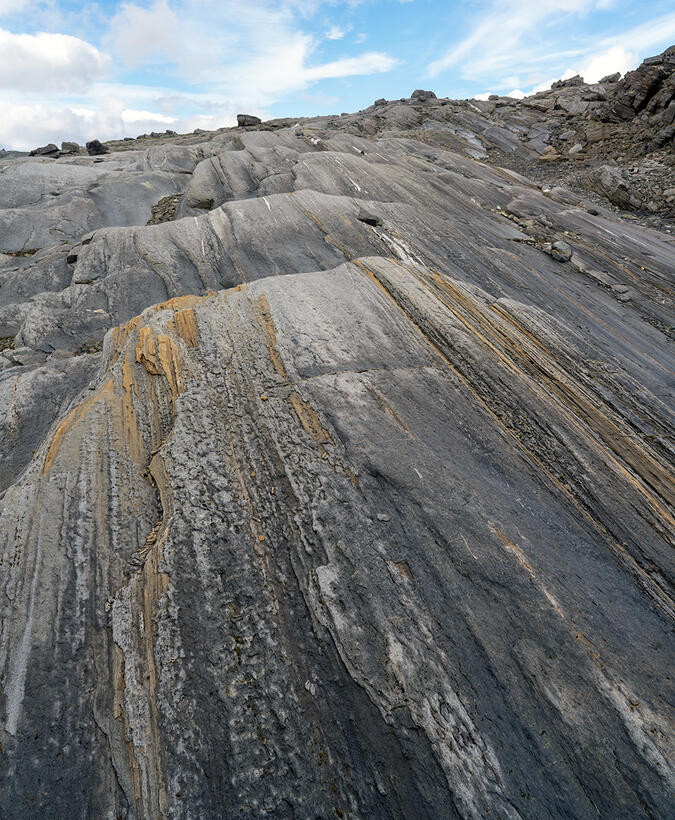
[
  {"x": 244, "y": 120},
  {"x": 650, "y": 84},
  {"x": 596, "y": 132},
  {"x": 70, "y": 148},
  {"x": 31, "y": 399},
  {"x": 45, "y": 151},
  {"x": 380, "y": 561},
  {"x": 96, "y": 148},
  {"x": 369, "y": 218},
  {"x": 561, "y": 251},
  {"x": 662, "y": 138},
  {"x": 611, "y": 78},
  {"x": 571, "y": 82},
  {"x": 613, "y": 184},
  {"x": 422, "y": 96}
]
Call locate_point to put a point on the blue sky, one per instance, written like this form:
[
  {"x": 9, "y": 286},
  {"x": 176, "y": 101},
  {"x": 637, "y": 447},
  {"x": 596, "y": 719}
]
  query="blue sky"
[{"x": 78, "y": 70}]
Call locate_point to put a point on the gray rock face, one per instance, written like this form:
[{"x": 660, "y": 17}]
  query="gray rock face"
[
  {"x": 44, "y": 203},
  {"x": 31, "y": 399},
  {"x": 364, "y": 509}
]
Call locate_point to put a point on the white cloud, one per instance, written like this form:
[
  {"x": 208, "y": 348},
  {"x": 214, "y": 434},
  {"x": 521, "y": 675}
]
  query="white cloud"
[
  {"x": 253, "y": 57},
  {"x": 611, "y": 55},
  {"x": 137, "y": 33},
  {"x": 496, "y": 40},
  {"x": 374, "y": 62},
  {"x": 132, "y": 117},
  {"x": 335, "y": 33},
  {"x": 516, "y": 94},
  {"x": 111, "y": 111},
  {"x": 229, "y": 60},
  {"x": 535, "y": 39},
  {"x": 644, "y": 37},
  {"x": 27, "y": 125},
  {"x": 546, "y": 85},
  {"x": 115, "y": 110},
  {"x": 57, "y": 62},
  {"x": 527, "y": 35},
  {"x": 8, "y": 7},
  {"x": 614, "y": 59}
]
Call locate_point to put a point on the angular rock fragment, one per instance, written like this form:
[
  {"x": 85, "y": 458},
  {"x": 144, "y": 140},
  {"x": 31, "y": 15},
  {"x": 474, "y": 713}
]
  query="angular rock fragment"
[
  {"x": 369, "y": 218},
  {"x": 571, "y": 82},
  {"x": 96, "y": 148},
  {"x": 561, "y": 251},
  {"x": 244, "y": 120},
  {"x": 422, "y": 96},
  {"x": 45, "y": 151},
  {"x": 610, "y": 182}
]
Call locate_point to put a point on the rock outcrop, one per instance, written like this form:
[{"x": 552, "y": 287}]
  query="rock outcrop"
[
  {"x": 336, "y": 467},
  {"x": 423, "y": 96},
  {"x": 244, "y": 120},
  {"x": 70, "y": 148},
  {"x": 615, "y": 186},
  {"x": 44, "y": 151},
  {"x": 650, "y": 87}
]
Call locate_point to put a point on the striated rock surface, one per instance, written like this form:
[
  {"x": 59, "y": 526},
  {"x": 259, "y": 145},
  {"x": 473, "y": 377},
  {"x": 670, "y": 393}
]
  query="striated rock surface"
[{"x": 336, "y": 468}]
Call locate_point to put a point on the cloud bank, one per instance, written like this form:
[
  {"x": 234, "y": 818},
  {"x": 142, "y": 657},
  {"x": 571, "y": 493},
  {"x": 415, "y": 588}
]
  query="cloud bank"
[
  {"x": 515, "y": 43},
  {"x": 204, "y": 50},
  {"x": 156, "y": 64}
]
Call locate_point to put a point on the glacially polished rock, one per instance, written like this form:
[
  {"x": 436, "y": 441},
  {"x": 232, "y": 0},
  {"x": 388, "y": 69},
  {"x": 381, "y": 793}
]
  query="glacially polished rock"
[{"x": 365, "y": 506}]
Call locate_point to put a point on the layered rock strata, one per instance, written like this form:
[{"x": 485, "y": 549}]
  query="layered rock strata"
[{"x": 343, "y": 488}]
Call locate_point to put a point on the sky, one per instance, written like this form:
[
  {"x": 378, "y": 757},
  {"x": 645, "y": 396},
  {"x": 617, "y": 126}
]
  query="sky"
[{"x": 73, "y": 70}]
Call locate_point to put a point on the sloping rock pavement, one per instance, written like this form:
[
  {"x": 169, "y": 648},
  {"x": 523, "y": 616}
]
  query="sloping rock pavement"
[{"x": 365, "y": 508}]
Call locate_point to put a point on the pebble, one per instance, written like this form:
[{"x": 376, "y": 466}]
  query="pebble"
[{"x": 561, "y": 251}]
